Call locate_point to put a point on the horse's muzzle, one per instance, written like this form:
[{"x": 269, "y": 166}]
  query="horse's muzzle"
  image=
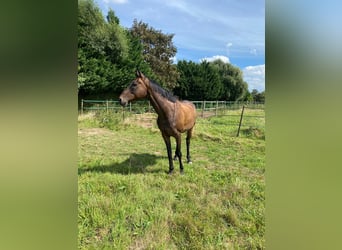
[{"x": 122, "y": 102}]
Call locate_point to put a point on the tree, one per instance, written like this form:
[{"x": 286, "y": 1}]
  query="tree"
[
  {"x": 234, "y": 87},
  {"x": 248, "y": 97},
  {"x": 261, "y": 97},
  {"x": 111, "y": 18},
  {"x": 107, "y": 54},
  {"x": 116, "y": 44},
  {"x": 90, "y": 28},
  {"x": 158, "y": 51},
  {"x": 198, "y": 81},
  {"x": 258, "y": 97},
  {"x": 210, "y": 81}
]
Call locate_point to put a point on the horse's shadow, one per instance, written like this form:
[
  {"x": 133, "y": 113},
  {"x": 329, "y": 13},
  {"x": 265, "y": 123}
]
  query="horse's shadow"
[{"x": 134, "y": 164}]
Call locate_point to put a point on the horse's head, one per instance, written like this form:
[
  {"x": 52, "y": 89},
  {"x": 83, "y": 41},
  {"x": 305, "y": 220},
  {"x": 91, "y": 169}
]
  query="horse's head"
[{"x": 136, "y": 90}]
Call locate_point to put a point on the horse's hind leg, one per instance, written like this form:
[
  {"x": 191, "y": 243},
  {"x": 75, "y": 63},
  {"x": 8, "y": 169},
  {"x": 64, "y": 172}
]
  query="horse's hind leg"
[
  {"x": 188, "y": 137},
  {"x": 179, "y": 152},
  {"x": 177, "y": 149},
  {"x": 175, "y": 157}
]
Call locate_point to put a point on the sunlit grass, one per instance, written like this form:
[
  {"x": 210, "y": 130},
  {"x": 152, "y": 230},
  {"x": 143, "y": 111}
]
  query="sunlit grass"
[{"x": 127, "y": 200}]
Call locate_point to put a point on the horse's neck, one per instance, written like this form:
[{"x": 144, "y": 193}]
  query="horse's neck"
[{"x": 161, "y": 105}]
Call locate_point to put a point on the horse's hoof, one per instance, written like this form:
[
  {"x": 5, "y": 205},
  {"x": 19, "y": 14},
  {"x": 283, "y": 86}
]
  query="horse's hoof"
[
  {"x": 189, "y": 162},
  {"x": 182, "y": 172},
  {"x": 170, "y": 172}
]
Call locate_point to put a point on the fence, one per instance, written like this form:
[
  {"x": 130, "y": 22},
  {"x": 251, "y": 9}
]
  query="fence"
[
  {"x": 114, "y": 106},
  {"x": 239, "y": 113},
  {"x": 205, "y": 108}
]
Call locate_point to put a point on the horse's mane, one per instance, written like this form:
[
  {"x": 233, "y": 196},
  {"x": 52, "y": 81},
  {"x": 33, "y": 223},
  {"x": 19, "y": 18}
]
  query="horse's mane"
[{"x": 164, "y": 93}]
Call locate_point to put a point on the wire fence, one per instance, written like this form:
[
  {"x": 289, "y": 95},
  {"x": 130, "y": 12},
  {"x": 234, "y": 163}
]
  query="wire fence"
[
  {"x": 239, "y": 114},
  {"x": 204, "y": 108}
]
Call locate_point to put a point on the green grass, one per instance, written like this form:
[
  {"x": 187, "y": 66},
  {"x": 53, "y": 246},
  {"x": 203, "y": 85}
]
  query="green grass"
[{"x": 126, "y": 200}]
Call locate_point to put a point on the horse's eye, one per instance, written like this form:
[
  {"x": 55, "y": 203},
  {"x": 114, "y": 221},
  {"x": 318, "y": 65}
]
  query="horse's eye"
[{"x": 133, "y": 86}]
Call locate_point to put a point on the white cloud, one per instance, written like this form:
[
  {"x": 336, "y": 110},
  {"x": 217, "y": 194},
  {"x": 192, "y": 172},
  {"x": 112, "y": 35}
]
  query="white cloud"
[
  {"x": 174, "y": 59},
  {"x": 214, "y": 58},
  {"x": 253, "y": 51},
  {"x": 228, "y": 45},
  {"x": 255, "y": 77}
]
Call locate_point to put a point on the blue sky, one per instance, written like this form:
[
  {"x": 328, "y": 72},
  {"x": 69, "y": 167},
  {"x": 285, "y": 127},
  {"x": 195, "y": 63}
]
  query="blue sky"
[{"x": 233, "y": 30}]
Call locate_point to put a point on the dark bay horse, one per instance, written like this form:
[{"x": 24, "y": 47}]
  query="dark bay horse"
[{"x": 174, "y": 116}]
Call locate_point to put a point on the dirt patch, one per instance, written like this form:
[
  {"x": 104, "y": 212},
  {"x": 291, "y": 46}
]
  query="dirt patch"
[
  {"x": 147, "y": 120},
  {"x": 89, "y": 115}
]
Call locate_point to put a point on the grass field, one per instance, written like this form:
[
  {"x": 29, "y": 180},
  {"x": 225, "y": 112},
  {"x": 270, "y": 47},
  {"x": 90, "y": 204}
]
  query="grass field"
[{"x": 126, "y": 199}]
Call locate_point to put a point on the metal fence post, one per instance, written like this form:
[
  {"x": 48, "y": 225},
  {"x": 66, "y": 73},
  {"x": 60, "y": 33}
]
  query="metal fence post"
[
  {"x": 82, "y": 106},
  {"x": 243, "y": 108},
  {"x": 216, "y": 108}
]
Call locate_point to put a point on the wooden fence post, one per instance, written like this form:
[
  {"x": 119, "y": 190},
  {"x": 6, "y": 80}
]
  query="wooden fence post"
[
  {"x": 243, "y": 108},
  {"x": 107, "y": 106}
]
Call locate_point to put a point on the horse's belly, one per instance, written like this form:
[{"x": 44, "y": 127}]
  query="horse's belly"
[
  {"x": 184, "y": 125},
  {"x": 167, "y": 128}
]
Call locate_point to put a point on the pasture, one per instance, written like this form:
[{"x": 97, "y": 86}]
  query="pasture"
[{"x": 126, "y": 199}]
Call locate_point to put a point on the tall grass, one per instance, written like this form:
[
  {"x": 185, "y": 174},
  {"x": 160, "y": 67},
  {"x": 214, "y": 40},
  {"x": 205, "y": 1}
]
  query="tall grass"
[{"x": 126, "y": 200}]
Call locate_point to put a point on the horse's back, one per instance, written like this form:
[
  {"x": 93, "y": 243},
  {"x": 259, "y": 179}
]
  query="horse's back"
[{"x": 188, "y": 107}]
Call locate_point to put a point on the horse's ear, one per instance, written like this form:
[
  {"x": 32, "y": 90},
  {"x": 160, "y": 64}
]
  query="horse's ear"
[{"x": 139, "y": 74}]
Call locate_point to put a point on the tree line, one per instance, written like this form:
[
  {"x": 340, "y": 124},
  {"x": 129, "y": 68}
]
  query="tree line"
[{"x": 109, "y": 54}]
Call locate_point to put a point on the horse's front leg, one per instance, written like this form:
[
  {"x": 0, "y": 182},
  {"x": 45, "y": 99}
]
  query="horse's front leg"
[{"x": 169, "y": 152}]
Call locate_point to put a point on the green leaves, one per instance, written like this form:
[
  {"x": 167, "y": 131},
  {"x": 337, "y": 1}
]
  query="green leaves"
[
  {"x": 158, "y": 49},
  {"x": 106, "y": 57},
  {"x": 210, "y": 81}
]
